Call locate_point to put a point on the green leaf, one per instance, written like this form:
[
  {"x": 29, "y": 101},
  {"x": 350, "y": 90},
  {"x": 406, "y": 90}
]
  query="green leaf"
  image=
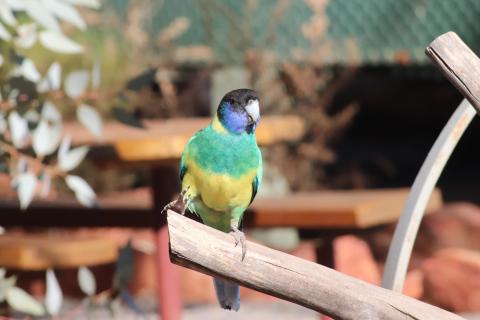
[
  {"x": 18, "y": 129},
  {"x": 83, "y": 192},
  {"x": 7, "y": 15},
  {"x": 41, "y": 15},
  {"x": 5, "y": 284},
  {"x": 76, "y": 83},
  {"x": 26, "y": 35},
  {"x": 59, "y": 43},
  {"x": 19, "y": 300},
  {"x": 26, "y": 188},
  {"x": 29, "y": 71},
  {"x": 90, "y": 119},
  {"x": 54, "y": 295},
  {"x": 86, "y": 281},
  {"x": 65, "y": 11},
  {"x": 46, "y": 138},
  {"x": 70, "y": 160},
  {"x": 50, "y": 112}
]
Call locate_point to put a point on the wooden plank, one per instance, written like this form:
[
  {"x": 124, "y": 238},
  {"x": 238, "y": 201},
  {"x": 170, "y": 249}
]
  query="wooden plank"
[
  {"x": 39, "y": 252},
  {"x": 314, "y": 286},
  {"x": 335, "y": 209},
  {"x": 165, "y": 139}
]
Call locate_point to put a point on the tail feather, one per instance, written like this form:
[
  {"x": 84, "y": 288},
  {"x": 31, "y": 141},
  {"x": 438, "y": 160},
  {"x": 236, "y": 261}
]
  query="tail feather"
[{"x": 228, "y": 294}]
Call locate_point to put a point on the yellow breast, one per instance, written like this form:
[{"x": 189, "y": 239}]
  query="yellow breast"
[{"x": 219, "y": 192}]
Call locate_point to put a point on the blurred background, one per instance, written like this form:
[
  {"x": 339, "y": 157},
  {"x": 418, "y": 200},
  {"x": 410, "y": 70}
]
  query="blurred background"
[
  {"x": 353, "y": 72},
  {"x": 356, "y": 71}
]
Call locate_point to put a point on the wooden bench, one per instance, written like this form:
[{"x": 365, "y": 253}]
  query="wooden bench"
[
  {"x": 353, "y": 209},
  {"x": 42, "y": 251},
  {"x": 163, "y": 140}
]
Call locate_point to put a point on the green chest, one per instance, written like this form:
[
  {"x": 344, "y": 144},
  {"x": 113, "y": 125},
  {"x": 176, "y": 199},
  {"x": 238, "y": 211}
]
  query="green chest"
[{"x": 225, "y": 153}]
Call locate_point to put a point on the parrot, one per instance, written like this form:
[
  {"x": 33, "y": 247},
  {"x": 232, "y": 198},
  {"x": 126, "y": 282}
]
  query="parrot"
[{"x": 221, "y": 172}]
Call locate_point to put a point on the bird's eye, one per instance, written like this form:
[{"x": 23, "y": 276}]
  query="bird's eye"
[{"x": 250, "y": 101}]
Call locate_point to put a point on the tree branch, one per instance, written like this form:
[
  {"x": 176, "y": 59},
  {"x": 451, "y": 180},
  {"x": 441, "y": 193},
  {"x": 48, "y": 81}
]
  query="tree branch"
[{"x": 199, "y": 247}]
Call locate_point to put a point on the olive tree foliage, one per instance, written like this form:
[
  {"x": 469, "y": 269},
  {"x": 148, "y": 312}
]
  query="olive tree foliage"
[{"x": 33, "y": 148}]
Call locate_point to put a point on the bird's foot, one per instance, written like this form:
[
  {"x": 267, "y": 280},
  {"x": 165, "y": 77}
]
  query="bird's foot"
[
  {"x": 180, "y": 204},
  {"x": 239, "y": 237},
  {"x": 185, "y": 199},
  {"x": 171, "y": 205}
]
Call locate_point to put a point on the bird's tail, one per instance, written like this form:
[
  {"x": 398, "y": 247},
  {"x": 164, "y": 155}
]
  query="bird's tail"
[{"x": 228, "y": 294}]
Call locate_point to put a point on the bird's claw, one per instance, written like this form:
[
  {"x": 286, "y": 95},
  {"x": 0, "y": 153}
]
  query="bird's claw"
[
  {"x": 171, "y": 205},
  {"x": 185, "y": 198},
  {"x": 239, "y": 237},
  {"x": 180, "y": 204}
]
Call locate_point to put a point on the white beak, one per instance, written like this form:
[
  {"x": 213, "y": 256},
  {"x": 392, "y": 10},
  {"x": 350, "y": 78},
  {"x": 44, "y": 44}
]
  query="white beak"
[{"x": 253, "y": 110}]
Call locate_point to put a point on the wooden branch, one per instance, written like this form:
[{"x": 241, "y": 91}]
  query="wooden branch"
[
  {"x": 459, "y": 64},
  {"x": 209, "y": 251}
]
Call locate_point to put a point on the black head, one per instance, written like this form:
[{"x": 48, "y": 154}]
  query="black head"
[{"x": 239, "y": 111}]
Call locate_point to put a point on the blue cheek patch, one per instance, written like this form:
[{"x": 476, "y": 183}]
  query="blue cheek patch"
[{"x": 234, "y": 122}]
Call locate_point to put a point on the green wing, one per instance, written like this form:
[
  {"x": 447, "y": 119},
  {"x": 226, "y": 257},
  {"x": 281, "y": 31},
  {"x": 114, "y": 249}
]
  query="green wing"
[
  {"x": 257, "y": 181},
  {"x": 183, "y": 166}
]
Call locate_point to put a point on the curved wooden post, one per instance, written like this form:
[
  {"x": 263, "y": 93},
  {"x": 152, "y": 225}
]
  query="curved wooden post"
[
  {"x": 461, "y": 66},
  {"x": 407, "y": 227}
]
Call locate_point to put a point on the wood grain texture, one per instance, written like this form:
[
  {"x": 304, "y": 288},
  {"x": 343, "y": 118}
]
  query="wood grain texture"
[
  {"x": 207, "y": 250},
  {"x": 39, "y": 252},
  {"x": 459, "y": 64},
  {"x": 165, "y": 139}
]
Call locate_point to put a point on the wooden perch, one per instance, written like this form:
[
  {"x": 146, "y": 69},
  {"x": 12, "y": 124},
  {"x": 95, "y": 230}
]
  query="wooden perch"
[
  {"x": 314, "y": 286},
  {"x": 459, "y": 64}
]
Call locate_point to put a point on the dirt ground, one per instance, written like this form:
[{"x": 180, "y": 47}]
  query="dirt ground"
[{"x": 248, "y": 311}]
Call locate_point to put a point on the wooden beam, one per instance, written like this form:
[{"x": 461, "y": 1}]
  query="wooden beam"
[
  {"x": 69, "y": 214},
  {"x": 459, "y": 64},
  {"x": 209, "y": 251}
]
